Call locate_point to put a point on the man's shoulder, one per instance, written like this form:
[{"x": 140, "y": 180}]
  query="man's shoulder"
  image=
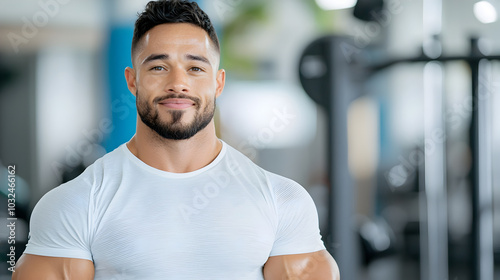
[{"x": 285, "y": 187}]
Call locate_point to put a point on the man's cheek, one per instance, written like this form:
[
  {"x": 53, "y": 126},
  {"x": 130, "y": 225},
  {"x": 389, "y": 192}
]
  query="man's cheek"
[{"x": 150, "y": 82}]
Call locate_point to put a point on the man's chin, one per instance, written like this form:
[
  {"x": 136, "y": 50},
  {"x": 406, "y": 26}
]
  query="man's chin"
[
  {"x": 179, "y": 125},
  {"x": 170, "y": 118}
]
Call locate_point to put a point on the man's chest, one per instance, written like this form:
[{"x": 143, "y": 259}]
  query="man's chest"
[{"x": 194, "y": 232}]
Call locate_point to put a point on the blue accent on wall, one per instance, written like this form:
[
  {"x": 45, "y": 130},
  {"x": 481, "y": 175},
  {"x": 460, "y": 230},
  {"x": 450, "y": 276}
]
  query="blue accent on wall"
[{"x": 122, "y": 110}]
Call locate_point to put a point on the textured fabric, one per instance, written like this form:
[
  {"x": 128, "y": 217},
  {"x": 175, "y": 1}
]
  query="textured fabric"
[{"x": 137, "y": 222}]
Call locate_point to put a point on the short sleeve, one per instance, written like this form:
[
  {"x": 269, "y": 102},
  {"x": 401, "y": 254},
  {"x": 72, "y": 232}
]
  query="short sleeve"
[
  {"x": 59, "y": 224},
  {"x": 298, "y": 226}
]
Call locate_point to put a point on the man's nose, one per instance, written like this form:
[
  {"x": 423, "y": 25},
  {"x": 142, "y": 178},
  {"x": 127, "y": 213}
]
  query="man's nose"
[{"x": 177, "y": 81}]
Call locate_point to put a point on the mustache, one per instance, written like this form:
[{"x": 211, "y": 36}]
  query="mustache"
[{"x": 176, "y": 95}]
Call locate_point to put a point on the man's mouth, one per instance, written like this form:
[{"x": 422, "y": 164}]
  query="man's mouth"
[{"x": 177, "y": 103}]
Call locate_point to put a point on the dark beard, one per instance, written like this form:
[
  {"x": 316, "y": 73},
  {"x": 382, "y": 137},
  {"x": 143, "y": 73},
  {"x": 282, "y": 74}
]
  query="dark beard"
[{"x": 174, "y": 130}]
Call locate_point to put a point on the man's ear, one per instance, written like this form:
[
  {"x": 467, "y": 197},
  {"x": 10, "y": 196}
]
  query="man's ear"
[
  {"x": 131, "y": 81},
  {"x": 221, "y": 81}
]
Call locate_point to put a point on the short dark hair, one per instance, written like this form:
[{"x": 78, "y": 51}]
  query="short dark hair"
[{"x": 172, "y": 11}]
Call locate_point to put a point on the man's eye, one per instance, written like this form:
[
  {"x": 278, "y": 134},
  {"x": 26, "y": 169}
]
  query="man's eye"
[
  {"x": 196, "y": 69},
  {"x": 157, "y": 68}
]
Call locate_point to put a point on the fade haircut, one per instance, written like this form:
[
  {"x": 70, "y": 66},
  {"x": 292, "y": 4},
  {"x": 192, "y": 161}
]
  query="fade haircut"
[{"x": 172, "y": 11}]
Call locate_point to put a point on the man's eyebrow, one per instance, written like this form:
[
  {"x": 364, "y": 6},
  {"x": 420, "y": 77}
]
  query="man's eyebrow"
[
  {"x": 197, "y": 58},
  {"x": 152, "y": 57}
]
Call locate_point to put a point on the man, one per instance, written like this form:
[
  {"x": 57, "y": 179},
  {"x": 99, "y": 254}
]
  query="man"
[{"x": 175, "y": 202}]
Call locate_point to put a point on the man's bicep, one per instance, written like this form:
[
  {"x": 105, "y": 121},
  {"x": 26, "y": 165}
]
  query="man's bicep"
[
  {"x": 30, "y": 267},
  {"x": 318, "y": 265}
]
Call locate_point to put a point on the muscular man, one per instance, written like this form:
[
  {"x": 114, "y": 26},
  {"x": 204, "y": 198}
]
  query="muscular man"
[{"x": 175, "y": 202}]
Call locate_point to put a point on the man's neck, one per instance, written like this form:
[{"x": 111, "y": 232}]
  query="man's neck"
[{"x": 177, "y": 156}]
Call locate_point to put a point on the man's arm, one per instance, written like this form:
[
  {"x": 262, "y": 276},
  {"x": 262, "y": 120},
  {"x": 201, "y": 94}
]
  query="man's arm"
[
  {"x": 318, "y": 265},
  {"x": 34, "y": 267}
]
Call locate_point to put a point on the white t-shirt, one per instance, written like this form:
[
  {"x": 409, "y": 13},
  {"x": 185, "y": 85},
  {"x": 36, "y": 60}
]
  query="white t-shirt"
[{"x": 133, "y": 221}]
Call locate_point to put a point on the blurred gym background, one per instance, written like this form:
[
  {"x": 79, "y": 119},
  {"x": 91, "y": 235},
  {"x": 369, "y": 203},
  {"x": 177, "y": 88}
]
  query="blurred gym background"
[{"x": 386, "y": 111}]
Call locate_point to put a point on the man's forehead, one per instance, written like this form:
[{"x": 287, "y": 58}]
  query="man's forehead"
[{"x": 183, "y": 33}]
